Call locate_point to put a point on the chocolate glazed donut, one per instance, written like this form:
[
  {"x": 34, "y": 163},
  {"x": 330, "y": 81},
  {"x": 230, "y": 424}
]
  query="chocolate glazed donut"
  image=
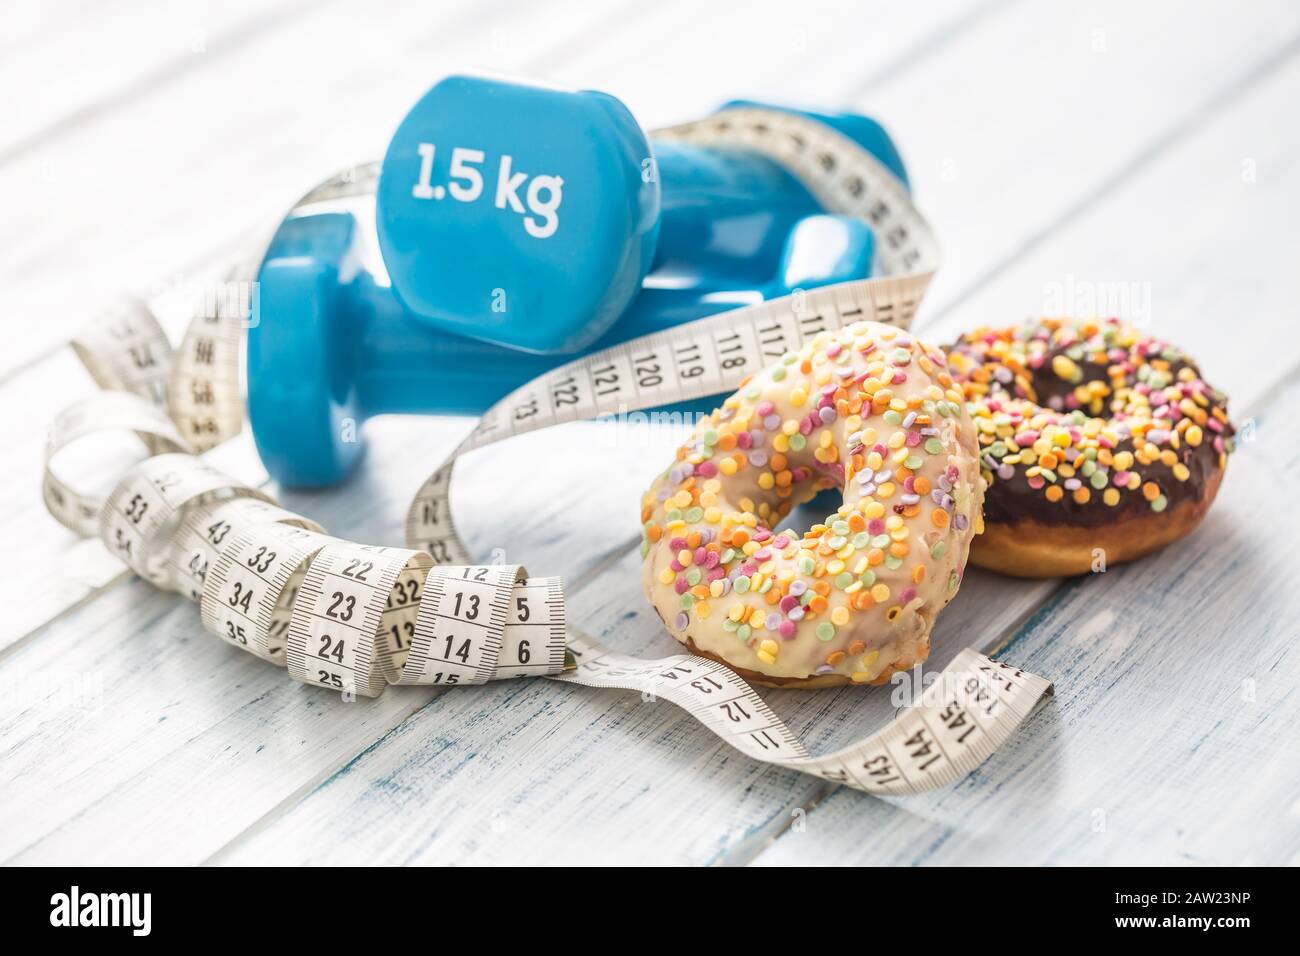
[{"x": 1099, "y": 444}]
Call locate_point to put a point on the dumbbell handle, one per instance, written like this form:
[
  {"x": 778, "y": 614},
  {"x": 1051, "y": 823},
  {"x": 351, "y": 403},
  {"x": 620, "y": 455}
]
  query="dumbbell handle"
[
  {"x": 720, "y": 201},
  {"x": 713, "y": 189}
]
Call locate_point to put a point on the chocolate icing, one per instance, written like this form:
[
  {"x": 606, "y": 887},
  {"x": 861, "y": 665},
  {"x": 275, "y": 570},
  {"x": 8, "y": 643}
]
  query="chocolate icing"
[{"x": 1011, "y": 501}]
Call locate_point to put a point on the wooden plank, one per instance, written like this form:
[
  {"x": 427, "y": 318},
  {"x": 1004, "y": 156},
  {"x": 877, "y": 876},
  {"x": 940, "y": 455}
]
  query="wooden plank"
[
  {"x": 1153, "y": 733},
  {"x": 1051, "y": 108},
  {"x": 62, "y": 62},
  {"x": 816, "y": 55},
  {"x": 1188, "y": 246},
  {"x": 143, "y": 672}
]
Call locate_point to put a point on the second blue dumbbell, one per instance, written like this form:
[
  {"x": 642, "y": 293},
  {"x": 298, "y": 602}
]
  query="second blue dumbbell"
[
  {"x": 481, "y": 270},
  {"x": 529, "y": 216}
]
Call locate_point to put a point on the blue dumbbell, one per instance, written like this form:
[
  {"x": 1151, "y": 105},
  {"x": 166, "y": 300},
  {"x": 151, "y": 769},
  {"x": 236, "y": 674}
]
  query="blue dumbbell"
[{"x": 446, "y": 304}]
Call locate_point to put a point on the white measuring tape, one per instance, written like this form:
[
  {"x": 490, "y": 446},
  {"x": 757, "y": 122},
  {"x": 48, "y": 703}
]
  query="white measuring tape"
[{"x": 356, "y": 618}]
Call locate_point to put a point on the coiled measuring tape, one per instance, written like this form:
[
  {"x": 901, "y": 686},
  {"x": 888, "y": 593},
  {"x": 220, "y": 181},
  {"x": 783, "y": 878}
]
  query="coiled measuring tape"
[{"x": 356, "y": 618}]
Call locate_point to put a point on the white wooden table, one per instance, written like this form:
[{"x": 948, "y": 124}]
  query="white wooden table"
[{"x": 1147, "y": 153}]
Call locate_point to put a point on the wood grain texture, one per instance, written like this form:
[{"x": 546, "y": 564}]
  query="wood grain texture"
[
  {"x": 1050, "y": 108},
  {"x": 62, "y": 61},
  {"x": 129, "y": 736},
  {"x": 1196, "y": 245}
]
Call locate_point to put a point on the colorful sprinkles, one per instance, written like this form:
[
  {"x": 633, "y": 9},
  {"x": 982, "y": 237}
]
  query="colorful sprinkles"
[
  {"x": 1088, "y": 414},
  {"x": 868, "y": 410}
]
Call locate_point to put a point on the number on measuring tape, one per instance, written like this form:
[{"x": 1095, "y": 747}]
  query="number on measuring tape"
[
  {"x": 343, "y": 633},
  {"x": 250, "y": 589},
  {"x": 148, "y": 505},
  {"x": 208, "y": 528}
]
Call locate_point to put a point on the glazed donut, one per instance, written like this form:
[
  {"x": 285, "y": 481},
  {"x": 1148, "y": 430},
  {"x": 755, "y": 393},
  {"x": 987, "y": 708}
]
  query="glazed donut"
[
  {"x": 1097, "y": 442},
  {"x": 869, "y": 410}
]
